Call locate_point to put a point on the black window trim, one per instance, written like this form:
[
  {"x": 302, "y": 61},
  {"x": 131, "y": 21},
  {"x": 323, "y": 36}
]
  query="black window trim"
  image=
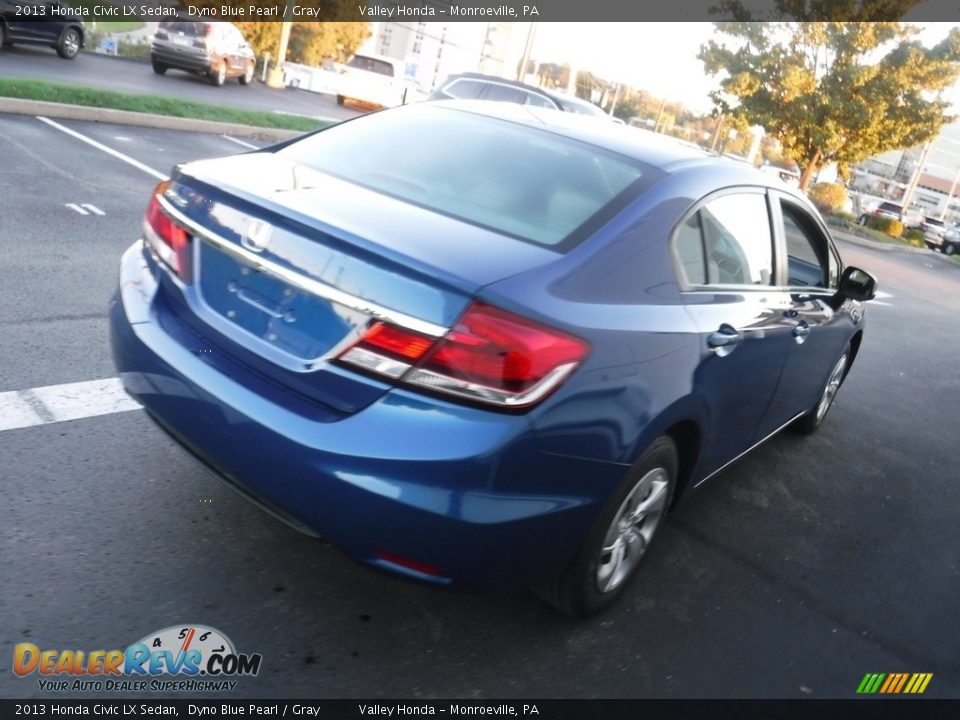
[{"x": 775, "y": 249}]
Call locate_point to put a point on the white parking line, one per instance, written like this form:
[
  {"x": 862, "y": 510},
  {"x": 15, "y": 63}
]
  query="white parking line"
[
  {"x": 110, "y": 151},
  {"x": 93, "y": 208},
  {"x": 59, "y": 403},
  {"x": 76, "y": 208},
  {"x": 238, "y": 141}
]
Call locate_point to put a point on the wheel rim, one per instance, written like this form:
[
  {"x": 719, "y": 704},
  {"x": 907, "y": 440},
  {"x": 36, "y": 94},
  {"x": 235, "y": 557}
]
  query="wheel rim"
[
  {"x": 830, "y": 391},
  {"x": 632, "y": 529},
  {"x": 71, "y": 42}
]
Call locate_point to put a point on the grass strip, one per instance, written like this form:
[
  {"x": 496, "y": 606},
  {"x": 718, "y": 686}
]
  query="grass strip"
[{"x": 45, "y": 90}]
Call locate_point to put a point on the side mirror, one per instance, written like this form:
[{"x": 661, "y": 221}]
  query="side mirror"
[{"x": 857, "y": 284}]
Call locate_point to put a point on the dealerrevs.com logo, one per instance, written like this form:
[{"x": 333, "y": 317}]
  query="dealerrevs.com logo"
[{"x": 187, "y": 658}]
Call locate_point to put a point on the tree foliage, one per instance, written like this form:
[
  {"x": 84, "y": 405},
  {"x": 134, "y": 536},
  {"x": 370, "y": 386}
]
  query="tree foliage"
[
  {"x": 834, "y": 91},
  {"x": 310, "y": 42}
]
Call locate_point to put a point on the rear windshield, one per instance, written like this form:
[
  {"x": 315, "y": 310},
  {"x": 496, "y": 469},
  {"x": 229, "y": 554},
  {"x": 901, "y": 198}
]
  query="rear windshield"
[
  {"x": 518, "y": 180},
  {"x": 890, "y": 207},
  {"x": 186, "y": 27},
  {"x": 362, "y": 62}
]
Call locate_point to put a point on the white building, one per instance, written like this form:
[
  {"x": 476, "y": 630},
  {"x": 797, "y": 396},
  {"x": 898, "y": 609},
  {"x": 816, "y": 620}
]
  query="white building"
[{"x": 431, "y": 51}]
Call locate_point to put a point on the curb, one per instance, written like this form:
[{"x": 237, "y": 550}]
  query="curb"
[{"x": 17, "y": 106}]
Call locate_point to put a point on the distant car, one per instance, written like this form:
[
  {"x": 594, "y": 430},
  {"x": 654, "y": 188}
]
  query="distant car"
[
  {"x": 215, "y": 50},
  {"x": 41, "y": 23},
  {"x": 372, "y": 80},
  {"x": 475, "y": 86},
  {"x": 933, "y": 230},
  {"x": 484, "y": 345},
  {"x": 948, "y": 243},
  {"x": 884, "y": 209}
]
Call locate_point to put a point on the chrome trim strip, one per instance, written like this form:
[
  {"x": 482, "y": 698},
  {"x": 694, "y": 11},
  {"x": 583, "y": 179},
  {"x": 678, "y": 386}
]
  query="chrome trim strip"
[
  {"x": 302, "y": 282},
  {"x": 752, "y": 447},
  {"x": 461, "y": 388}
]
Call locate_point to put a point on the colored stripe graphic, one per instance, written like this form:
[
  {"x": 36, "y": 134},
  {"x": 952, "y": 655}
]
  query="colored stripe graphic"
[{"x": 894, "y": 683}]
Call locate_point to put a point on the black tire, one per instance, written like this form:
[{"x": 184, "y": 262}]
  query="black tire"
[
  {"x": 3, "y": 35},
  {"x": 159, "y": 68},
  {"x": 810, "y": 422},
  {"x": 577, "y": 591},
  {"x": 69, "y": 43},
  {"x": 949, "y": 249},
  {"x": 218, "y": 74},
  {"x": 247, "y": 77}
]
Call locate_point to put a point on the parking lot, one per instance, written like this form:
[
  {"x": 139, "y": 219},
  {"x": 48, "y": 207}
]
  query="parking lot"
[{"x": 804, "y": 566}]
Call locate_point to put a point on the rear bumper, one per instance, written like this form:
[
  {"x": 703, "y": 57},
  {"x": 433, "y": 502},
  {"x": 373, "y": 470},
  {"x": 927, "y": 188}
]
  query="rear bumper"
[
  {"x": 459, "y": 489},
  {"x": 193, "y": 62}
]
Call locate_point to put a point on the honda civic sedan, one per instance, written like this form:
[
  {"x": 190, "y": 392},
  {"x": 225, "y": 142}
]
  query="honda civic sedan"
[{"x": 482, "y": 345}]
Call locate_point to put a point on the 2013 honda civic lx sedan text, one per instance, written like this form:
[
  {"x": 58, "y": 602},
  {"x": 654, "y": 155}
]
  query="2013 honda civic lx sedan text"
[{"x": 482, "y": 345}]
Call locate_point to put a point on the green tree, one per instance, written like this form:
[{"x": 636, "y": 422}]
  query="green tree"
[
  {"x": 311, "y": 42},
  {"x": 833, "y": 91}
]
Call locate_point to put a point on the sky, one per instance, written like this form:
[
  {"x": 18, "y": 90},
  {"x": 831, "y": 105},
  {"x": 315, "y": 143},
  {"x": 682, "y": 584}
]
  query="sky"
[{"x": 658, "y": 57}]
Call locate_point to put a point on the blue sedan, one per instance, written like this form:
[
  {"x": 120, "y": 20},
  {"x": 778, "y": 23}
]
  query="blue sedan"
[{"x": 482, "y": 345}]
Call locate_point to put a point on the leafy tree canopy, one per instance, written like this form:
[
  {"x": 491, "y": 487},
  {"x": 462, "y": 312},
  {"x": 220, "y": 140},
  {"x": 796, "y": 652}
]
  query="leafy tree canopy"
[
  {"x": 310, "y": 42},
  {"x": 834, "y": 91}
]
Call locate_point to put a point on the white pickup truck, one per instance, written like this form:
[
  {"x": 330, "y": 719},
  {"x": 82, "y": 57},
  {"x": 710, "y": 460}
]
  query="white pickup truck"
[{"x": 368, "y": 79}]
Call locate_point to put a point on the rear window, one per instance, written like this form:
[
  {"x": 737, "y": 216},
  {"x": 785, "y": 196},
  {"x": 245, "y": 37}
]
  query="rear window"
[
  {"x": 518, "y": 180},
  {"x": 187, "y": 28},
  {"x": 362, "y": 62},
  {"x": 890, "y": 207},
  {"x": 465, "y": 89}
]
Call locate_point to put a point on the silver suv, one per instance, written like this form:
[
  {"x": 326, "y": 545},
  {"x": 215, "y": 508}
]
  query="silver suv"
[{"x": 213, "y": 49}]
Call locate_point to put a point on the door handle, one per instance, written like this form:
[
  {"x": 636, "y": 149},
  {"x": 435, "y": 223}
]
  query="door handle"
[
  {"x": 724, "y": 341},
  {"x": 801, "y": 330}
]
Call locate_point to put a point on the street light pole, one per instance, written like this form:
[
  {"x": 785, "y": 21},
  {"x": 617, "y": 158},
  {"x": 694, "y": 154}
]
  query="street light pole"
[
  {"x": 275, "y": 78},
  {"x": 912, "y": 187},
  {"x": 527, "y": 49}
]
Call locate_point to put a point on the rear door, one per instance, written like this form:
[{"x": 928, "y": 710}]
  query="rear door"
[
  {"x": 810, "y": 272},
  {"x": 725, "y": 252}
]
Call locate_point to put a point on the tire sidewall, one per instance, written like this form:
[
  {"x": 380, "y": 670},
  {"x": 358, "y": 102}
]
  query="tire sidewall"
[
  {"x": 586, "y": 599},
  {"x": 63, "y": 43},
  {"x": 809, "y": 422}
]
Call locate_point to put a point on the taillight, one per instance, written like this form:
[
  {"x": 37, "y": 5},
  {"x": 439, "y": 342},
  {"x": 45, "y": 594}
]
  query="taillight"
[
  {"x": 169, "y": 241},
  {"x": 491, "y": 356}
]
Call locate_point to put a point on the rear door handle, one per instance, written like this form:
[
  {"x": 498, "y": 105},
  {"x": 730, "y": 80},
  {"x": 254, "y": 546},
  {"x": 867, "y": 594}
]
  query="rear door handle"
[
  {"x": 801, "y": 330},
  {"x": 724, "y": 340}
]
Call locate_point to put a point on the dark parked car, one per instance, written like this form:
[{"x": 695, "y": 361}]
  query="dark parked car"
[
  {"x": 41, "y": 23},
  {"x": 481, "y": 344},
  {"x": 475, "y": 86},
  {"x": 216, "y": 50},
  {"x": 947, "y": 242}
]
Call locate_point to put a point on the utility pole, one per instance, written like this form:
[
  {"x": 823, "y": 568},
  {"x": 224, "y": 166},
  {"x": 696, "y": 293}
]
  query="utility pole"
[
  {"x": 656, "y": 125},
  {"x": 527, "y": 49},
  {"x": 275, "y": 77},
  {"x": 716, "y": 133},
  {"x": 912, "y": 186},
  {"x": 616, "y": 96},
  {"x": 953, "y": 187}
]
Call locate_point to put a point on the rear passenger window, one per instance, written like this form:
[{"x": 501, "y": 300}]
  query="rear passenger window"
[
  {"x": 727, "y": 242},
  {"x": 464, "y": 89},
  {"x": 505, "y": 93},
  {"x": 538, "y": 101}
]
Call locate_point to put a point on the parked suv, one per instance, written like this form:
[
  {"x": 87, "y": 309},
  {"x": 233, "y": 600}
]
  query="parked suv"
[
  {"x": 948, "y": 243},
  {"x": 474, "y": 86},
  {"x": 212, "y": 49},
  {"x": 884, "y": 209},
  {"x": 49, "y": 24}
]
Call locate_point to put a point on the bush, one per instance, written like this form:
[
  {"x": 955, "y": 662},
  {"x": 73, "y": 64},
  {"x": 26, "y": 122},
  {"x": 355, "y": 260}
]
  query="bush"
[
  {"x": 828, "y": 197},
  {"x": 845, "y": 216},
  {"x": 915, "y": 237},
  {"x": 887, "y": 225}
]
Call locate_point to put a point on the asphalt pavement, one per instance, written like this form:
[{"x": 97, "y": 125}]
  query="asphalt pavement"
[
  {"x": 804, "y": 566},
  {"x": 131, "y": 76}
]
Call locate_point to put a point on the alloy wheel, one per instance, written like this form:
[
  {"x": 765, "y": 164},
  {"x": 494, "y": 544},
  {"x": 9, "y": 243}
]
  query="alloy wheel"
[
  {"x": 632, "y": 529},
  {"x": 833, "y": 384}
]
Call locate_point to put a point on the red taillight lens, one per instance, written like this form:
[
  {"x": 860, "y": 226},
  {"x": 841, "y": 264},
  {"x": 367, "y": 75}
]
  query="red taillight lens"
[
  {"x": 491, "y": 355},
  {"x": 501, "y": 350},
  {"x": 168, "y": 240}
]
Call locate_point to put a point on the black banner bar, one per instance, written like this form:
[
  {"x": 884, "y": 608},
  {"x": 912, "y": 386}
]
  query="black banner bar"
[
  {"x": 511, "y": 10},
  {"x": 875, "y": 709}
]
